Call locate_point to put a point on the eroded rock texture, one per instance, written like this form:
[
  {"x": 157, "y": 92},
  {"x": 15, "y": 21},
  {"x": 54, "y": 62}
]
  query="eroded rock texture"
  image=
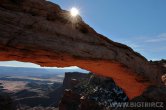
[
  {"x": 95, "y": 92},
  {"x": 41, "y": 32}
]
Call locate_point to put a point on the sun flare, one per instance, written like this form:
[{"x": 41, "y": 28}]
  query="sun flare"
[{"x": 74, "y": 12}]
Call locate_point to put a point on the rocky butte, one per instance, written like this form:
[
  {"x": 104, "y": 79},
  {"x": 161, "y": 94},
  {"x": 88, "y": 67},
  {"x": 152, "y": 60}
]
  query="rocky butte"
[{"x": 40, "y": 32}]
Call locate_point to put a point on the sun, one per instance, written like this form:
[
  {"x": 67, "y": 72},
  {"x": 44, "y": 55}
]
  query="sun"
[{"x": 74, "y": 12}]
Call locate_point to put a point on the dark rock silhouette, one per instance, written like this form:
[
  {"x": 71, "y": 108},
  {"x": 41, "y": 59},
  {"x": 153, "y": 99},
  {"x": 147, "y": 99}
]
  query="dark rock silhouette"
[
  {"x": 6, "y": 103},
  {"x": 93, "y": 93},
  {"x": 73, "y": 78}
]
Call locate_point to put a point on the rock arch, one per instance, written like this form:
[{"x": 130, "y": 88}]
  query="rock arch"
[{"x": 41, "y": 32}]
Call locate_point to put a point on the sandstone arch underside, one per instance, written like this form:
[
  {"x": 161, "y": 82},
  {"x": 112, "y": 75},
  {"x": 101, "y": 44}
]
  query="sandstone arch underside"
[{"x": 41, "y": 32}]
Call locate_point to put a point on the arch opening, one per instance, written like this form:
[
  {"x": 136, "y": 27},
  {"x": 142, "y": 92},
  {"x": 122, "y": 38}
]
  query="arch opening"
[
  {"x": 29, "y": 84},
  {"x": 122, "y": 75}
]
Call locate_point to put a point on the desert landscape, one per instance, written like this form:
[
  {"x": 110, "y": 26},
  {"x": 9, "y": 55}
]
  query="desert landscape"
[{"x": 27, "y": 90}]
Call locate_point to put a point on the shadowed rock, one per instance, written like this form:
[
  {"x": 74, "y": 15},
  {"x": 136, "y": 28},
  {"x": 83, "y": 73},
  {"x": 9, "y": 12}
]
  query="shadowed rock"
[{"x": 6, "y": 103}]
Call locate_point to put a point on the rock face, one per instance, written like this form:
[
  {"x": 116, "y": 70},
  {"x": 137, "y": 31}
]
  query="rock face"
[
  {"x": 101, "y": 93},
  {"x": 70, "y": 101},
  {"x": 73, "y": 101},
  {"x": 92, "y": 93},
  {"x": 72, "y": 78},
  {"x": 153, "y": 93},
  {"x": 41, "y": 32}
]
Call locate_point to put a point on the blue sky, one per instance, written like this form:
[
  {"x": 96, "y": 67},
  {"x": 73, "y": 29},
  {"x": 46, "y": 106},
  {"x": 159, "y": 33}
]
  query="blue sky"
[
  {"x": 140, "y": 24},
  {"x": 32, "y": 65}
]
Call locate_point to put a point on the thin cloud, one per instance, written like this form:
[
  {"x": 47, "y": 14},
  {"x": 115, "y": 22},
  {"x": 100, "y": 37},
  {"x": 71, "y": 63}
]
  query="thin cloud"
[{"x": 159, "y": 38}]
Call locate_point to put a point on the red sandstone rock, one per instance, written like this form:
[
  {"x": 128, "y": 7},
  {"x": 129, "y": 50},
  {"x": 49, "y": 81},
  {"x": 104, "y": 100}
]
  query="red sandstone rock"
[{"x": 41, "y": 32}]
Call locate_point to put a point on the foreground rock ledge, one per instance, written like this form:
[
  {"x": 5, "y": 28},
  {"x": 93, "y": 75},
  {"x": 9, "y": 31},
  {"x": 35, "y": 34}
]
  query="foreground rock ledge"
[{"x": 41, "y": 32}]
